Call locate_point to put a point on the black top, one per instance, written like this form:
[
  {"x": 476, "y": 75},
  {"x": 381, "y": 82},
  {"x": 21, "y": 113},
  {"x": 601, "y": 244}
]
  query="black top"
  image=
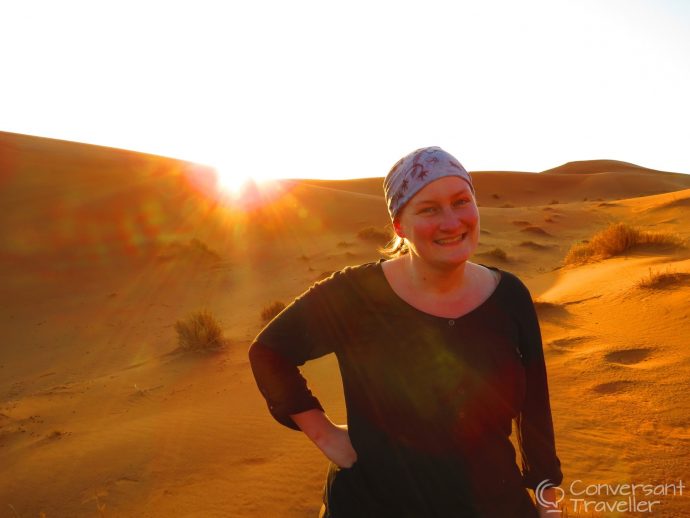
[{"x": 429, "y": 400}]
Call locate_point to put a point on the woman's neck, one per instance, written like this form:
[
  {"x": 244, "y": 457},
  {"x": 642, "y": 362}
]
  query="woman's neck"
[{"x": 425, "y": 277}]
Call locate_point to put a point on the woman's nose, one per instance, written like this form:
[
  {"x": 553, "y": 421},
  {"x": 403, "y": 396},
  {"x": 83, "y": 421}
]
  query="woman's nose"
[{"x": 450, "y": 219}]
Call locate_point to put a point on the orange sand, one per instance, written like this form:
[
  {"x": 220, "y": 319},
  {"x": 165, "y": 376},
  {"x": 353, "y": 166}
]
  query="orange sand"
[{"x": 98, "y": 410}]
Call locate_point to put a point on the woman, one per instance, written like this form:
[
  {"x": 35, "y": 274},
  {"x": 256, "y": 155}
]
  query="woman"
[{"x": 438, "y": 355}]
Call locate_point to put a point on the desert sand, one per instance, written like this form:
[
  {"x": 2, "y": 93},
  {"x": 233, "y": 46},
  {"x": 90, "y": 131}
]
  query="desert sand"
[{"x": 103, "y": 250}]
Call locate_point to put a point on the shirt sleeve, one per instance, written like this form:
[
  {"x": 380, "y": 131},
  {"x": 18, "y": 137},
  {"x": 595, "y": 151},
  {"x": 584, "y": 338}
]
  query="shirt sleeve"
[
  {"x": 534, "y": 423},
  {"x": 306, "y": 329}
]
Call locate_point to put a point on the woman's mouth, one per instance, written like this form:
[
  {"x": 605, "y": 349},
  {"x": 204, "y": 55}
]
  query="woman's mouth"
[{"x": 449, "y": 241}]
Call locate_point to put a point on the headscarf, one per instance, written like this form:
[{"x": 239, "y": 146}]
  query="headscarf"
[{"x": 417, "y": 170}]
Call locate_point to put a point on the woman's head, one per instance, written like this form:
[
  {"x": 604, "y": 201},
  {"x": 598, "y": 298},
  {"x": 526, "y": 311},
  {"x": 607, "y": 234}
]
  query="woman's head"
[
  {"x": 430, "y": 198},
  {"x": 417, "y": 170}
]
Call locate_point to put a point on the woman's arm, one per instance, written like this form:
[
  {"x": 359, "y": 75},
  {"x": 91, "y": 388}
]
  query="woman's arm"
[
  {"x": 534, "y": 423},
  {"x": 332, "y": 439}
]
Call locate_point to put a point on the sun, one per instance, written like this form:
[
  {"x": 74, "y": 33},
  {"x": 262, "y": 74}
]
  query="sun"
[
  {"x": 230, "y": 183},
  {"x": 242, "y": 191}
]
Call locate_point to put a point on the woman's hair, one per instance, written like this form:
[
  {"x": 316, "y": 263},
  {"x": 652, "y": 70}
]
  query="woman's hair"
[{"x": 396, "y": 247}]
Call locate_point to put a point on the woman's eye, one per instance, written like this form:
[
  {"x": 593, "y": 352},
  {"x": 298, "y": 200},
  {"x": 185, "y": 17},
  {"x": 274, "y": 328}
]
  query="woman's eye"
[
  {"x": 461, "y": 201},
  {"x": 428, "y": 210}
]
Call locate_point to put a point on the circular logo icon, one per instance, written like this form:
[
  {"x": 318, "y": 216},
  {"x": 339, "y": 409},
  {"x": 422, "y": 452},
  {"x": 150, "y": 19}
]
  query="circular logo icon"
[{"x": 552, "y": 507}]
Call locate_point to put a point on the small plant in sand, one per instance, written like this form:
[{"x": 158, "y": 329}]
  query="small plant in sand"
[
  {"x": 270, "y": 311},
  {"x": 617, "y": 239},
  {"x": 199, "y": 332},
  {"x": 660, "y": 280}
]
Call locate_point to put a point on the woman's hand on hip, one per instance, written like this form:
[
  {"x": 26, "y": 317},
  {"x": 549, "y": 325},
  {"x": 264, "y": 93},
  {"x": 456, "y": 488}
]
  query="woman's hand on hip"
[
  {"x": 338, "y": 447},
  {"x": 332, "y": 439}
]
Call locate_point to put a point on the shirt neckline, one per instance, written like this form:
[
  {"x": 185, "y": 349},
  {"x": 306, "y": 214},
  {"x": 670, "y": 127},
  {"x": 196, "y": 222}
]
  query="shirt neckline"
[{"x": 403, "y": 302}]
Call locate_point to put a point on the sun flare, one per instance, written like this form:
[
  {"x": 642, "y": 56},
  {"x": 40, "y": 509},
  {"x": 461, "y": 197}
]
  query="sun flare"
[{"x": 245, "y": 191}]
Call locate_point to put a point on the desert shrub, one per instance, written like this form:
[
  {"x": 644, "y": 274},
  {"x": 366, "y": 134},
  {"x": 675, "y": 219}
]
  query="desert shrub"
[
  {"x": 495, "y": 196},
  {"x": 522, "y": 223},
  {"x": 373, "y": 234},
  {"x": 554, "y": 202},
  {"x": 199, "y": 332},
  {"x": 507, "y": 206},
  {"x": 270, "y": 311},
  {"x": 659, "y": 279},
  {"x": 344, "y": 244},
  {"x": 617, "y": 239}
]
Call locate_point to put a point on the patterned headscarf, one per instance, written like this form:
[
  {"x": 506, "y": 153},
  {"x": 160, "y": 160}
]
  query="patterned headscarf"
[{"x": 417, "y": 170}]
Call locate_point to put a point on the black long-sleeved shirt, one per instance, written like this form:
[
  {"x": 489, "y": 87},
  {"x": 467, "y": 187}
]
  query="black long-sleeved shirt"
[{"x": 430, "y": 400}]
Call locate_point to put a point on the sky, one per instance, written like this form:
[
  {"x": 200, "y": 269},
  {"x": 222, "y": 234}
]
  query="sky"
[{"x": 324, "y": 89}]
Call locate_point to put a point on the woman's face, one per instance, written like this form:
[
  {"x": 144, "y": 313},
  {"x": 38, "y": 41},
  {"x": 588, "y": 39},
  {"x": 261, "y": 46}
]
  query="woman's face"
[{"x": 441, "y": 222}]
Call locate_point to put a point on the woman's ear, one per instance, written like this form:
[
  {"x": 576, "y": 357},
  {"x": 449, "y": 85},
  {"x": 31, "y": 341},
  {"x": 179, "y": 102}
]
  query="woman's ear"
[{"x": 396, "y": 227}]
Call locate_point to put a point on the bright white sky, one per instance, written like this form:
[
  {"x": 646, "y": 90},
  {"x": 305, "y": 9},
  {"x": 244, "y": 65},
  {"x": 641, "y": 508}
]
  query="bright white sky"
[{"x": 328, "y": 89}]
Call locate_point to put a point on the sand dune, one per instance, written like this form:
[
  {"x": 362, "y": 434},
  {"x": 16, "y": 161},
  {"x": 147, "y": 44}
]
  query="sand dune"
[{"x": 104, "y": 250}]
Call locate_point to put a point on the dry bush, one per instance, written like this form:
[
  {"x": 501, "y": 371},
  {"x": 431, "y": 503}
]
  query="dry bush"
[
  {"x": 507, "y": 206},
  {"x": 554, "y": 202},
  {"x": 270, "y": 311},
  {"x": 521, "y": 223},
  {"x": 374, "y": 234},
  {"x": 199, "y": 332},
  {"x": 660, "y": 280},
  {"x": 344, "y": 244},
  {"x": 617, "y": 239}
]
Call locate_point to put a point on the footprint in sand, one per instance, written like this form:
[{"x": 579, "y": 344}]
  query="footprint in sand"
[
  {"x": 568, "y": 343},
  {"x": 613, "y": 387},
  {"x": 628, "y": 356},
  {"x": 535, "y": 230},
  {"x": 251, "y": 461}
]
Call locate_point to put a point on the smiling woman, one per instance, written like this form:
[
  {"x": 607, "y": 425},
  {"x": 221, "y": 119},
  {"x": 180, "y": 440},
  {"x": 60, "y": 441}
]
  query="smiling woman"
[{"x": 438, "y": 356}]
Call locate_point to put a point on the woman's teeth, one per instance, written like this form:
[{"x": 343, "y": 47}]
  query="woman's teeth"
[{"x": 451, "y": 240}]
